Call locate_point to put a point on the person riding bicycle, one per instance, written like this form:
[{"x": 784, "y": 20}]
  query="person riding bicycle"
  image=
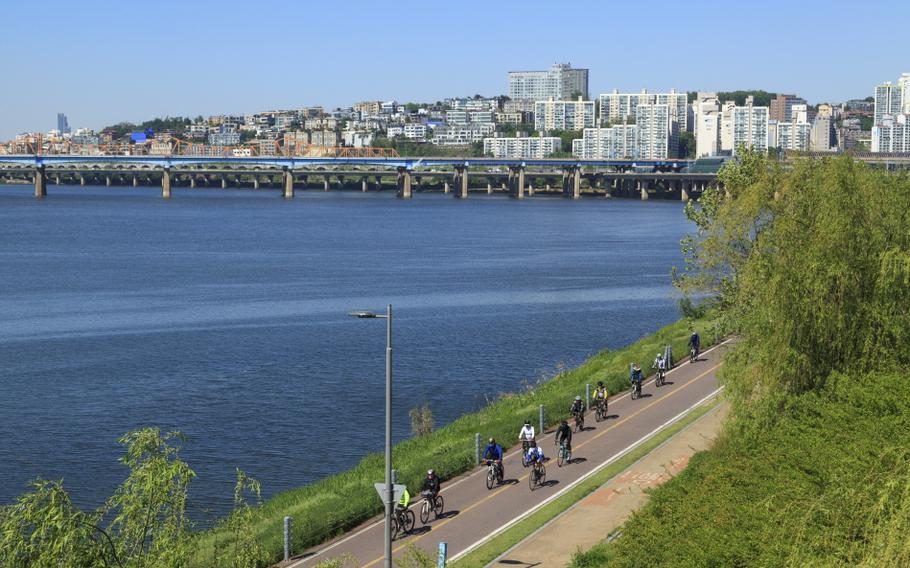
[
  {"x": 635, "y": 375},
  {"x": 659, "y": 363},
  {"x": 600, "y": 394},
  {"x": 695, "y": 342},
  {"x": 578, "y": 407},
  {"x": 564, "y": 435},
  {"x": 431, "y": 484},
  {"x": 493, "y": 452},
  {"x": 405, "y": 501},
  {"x": 535, "y": 454}
]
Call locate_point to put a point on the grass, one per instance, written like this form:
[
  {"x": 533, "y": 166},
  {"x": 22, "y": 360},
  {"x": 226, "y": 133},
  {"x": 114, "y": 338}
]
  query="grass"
[
  {"x": 341, "y": 502},
  {"x": 827, "y": 485},
  {"x": 491, "y": 550}
]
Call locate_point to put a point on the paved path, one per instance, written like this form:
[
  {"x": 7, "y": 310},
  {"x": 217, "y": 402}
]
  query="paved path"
[
  {"x": 600, "y": 513},
  {"x": 474, "y": 514}
]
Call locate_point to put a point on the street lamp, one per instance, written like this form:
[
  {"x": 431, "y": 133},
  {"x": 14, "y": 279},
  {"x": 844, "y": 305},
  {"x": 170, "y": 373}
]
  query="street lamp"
[{"x": 389, "y": 505}]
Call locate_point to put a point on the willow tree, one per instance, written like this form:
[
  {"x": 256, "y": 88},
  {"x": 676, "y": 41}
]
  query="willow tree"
[{"x": 811, "y": 265}]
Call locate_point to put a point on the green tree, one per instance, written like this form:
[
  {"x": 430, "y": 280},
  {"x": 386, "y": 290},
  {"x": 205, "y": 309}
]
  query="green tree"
[{"x": 686, "y": 144}]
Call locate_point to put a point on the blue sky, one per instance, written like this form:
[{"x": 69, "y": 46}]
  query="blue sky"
[{"x": 105, "y": 61}]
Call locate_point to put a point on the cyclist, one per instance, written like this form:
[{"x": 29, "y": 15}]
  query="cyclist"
[
  {"x": 494, "y": 452},
  {"x": 695, "y": 343},
  {"x": 600, "y": 394},
  {"x": 635, "y": 375},
  {"x": 526, "y": 436},
  {"x": 431, "y": 484},
  {"x": 659, "y": 363},
  {"x": 578, "y": 408},
  {"x": 404, "y": 502},
  {"x": 564, "y": 435},
  {"x": 535, "y": 454}
]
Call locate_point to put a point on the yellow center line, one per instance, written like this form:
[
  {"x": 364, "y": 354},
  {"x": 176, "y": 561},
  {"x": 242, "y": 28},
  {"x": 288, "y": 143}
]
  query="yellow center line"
[{"x": 520, "y": 479}]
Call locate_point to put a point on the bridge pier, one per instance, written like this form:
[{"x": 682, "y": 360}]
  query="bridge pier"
[
  {"x": 461, "y": 182},
  {"x": 683, "y": 194},
  {"x": 40, "y": 182},
  {"x": 223, "y": 182},
  {"x": 643, "y": 189},
  {"x": 135, "y": 181},
  {"x": 445, "y": 186},
  {"x": 107, "y": 180},
  {"x": 192, "y": 181},
  {"x": 288, "y": 183},
  {"x": 364, "y": 186},
  {"x": 571, "y": 182},
  {"x": 404, "y": 183},
  {"x": 81, "y": 179},
  {"x": 165, "y": 183},
  {"x": 517, "y": 182},
  {"x": 325, "y": 183}
]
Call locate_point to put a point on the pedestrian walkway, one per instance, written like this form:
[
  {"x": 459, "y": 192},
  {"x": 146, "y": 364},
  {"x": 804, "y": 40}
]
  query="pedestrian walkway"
[{"x": 602, "y": 512}]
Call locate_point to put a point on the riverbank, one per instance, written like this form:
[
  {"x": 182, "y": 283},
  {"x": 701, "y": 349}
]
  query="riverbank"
[{"x": 340, "y": 502}]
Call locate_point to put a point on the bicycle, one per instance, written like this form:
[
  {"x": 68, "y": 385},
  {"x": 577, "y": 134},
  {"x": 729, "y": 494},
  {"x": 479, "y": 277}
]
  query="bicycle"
[
  {"x": 636, "y": 390},
  {"x": 564, "y": 455},
  {"x": 402, "y": 521},
  {"x": 525, "y": 445},
  {"x": 659, "y": 381},
  {"x": 494, "y": 473},
  {"x": 580, "y": 421},
  {"x": 431, "y": 504},
  {"x": 600, "y": 410},
  {"x": 538, "y": 476},
  {"x": 693, "y": 355}
]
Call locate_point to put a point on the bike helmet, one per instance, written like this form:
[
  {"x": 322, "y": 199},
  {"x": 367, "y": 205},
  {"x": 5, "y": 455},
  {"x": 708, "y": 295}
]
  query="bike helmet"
[
  {"x": 577, "y": 397},
  {"x": 527, "y": 422},
  {"x": 658, "y": 355},
  {"x": 431, "y": 472},
  {"x": 492, "y": 440},
  {"x": 636, "y": 367},
  {"x": 564, "y": 423},
  {"x": 600, "y": 383}
]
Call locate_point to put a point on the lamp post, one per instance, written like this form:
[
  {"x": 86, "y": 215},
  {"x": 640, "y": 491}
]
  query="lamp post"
[{"x": 389, "y": 505}]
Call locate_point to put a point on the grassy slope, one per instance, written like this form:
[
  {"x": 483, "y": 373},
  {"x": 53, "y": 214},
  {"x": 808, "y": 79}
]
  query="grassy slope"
[
  {"x": 828, "y": 485},
  {"x": 341, "y": 502}
]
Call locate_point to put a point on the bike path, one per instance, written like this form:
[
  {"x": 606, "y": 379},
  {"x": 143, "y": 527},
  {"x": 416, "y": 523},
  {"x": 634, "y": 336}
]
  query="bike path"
[{"x": 473, "y": 514}]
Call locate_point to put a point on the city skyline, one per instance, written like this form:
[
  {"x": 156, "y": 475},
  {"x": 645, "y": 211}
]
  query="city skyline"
[{"x": 182, "y": 60}]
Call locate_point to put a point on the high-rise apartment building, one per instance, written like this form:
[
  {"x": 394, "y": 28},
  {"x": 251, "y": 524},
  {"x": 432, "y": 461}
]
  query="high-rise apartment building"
[
  {"x": 822, "y": 138},
  {"x": 559, "y": 82},
  {"x": 658, "y": 136},
  {"x": 747, "y": 126},
  {"x": 887, "y": 101},
  {"x": 793, "y": 135},
  {"x": 619, "y": 108},
  {"x": 614, "y": 143},
  {"x": 524, "y": 147},
  {"x": 781, "y": 108},
  {"x": 707, "y": 125},
  {"x": 563, "y": 115}
]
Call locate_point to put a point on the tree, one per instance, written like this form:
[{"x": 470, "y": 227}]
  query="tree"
[
  {"x": 761, "y": 98},
  {"x": 421, "y": 420},
  {"x": 686, "y": 144}
]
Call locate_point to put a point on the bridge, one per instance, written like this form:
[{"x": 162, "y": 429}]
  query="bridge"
[{"x": 410, "y": 174}]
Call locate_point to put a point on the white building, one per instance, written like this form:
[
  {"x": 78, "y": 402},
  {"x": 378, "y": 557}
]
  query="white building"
[
  {"x": 887, "y": 101},
  {"x": 619, "y": 108},
  {"x": 747, "y": 126},
  {"x": 450, "y": 135},
  {"x": 462, "y": 117},
  {"x": 527, "y": 147},
  {"x": 822, "y": 138},
  {"x": 563, "y": 115},
  {"x": 658, "y": 137},
  {"x": 415, "y": 131},
  {"x": 793, "y": 135},
  {"x": 707, "y": 125},
  {"x": 893, "y": 135},
  {"x": 616, "y": 142},
  {"x": 559, "y": 82}
]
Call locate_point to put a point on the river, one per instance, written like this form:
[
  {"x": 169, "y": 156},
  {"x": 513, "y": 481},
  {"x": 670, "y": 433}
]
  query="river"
[{"x": 223, "y": 314}]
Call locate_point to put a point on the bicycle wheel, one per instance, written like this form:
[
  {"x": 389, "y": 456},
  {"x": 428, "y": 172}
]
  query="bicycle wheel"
[
  {"x": 409, "y": 519},
  {"x": 560, "y": 458},
  {"x": 542, "y": 476},
  {"x": 490, "y": 479},
  {"x": 532, "y": 479},
  {"x": 425, "y": 511},
  {"x": 581, "y": 423},
  {"x": 396, "y": 526},
  {"x": 438, "y": 506}
]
